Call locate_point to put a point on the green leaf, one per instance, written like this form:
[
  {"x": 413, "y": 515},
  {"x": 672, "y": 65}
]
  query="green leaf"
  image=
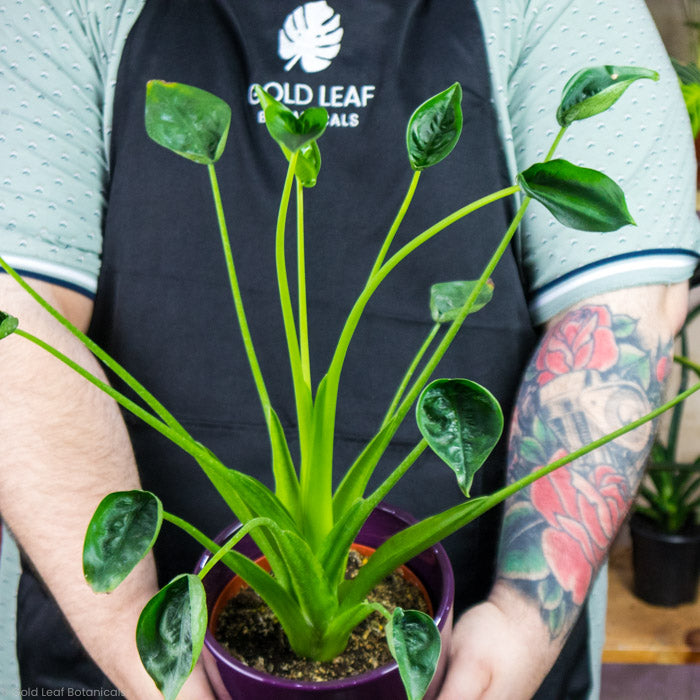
[
  {"x": 578, "y": 197},
  {"x": 170, "y": 633},
  {"x": 289, "y": 131},
  {"x": 358, "y": 475},
  {"x": 448, "y": 298},
  {"x": 308, "y": 164},
  {"x": 462, "y": 423},
  {"x": 593, "y": 90},
  {"x": 286, "y": 481},
  {"x": 434, "y": 128},
  {"x": 691, "y": 97},
  {"x": 259, "y": 500},
  {"x": 414, "y": 641},
  {"x": 408, "y": 543},
  {"x": 688, "y": 73},
  {"x": 309, "y": 159},
  {"x": 8, "y": 325},
  {"x": 689, "y": 77},
  {"x": 191, "y": 122},
  {"x": 120, "y": 534},
  {"x": 317, "y": 600}
]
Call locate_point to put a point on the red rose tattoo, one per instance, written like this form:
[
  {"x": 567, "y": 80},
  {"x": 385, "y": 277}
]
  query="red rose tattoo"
[
  {"x": 593, "y": 372},
  {"x": 583, "y": 339},
  {"x": 582, "y": 517}
]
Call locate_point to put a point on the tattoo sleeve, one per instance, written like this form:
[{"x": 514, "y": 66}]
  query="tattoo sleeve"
[{"x": 593, "y": 373}]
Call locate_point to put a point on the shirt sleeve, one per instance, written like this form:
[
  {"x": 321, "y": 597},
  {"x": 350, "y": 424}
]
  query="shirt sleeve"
[
  {"x": 58, "y": 65},
  {"x": 643, "y": 143}
]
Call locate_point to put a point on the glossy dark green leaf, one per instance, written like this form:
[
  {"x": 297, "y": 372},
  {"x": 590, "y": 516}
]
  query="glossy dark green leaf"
[
  {"x": 414, "y": 641},
  {"x": 578, "y": 197},
  {"x": 290, "y": 131},
  {"x": 462, "y": 423},
  {"x": 593, "y": 90},
  {"x": 120, "y": 534},
  {"x": 308, "y": 164},
  {"x": 448, "y": 298},
  {"x": 170, "y": 633},
  {"x": 434, "y": 128},
  {"x": 191, "y": 122},
  {"x": 8, "y": 325},
  {"x": 309, "y": 159}
]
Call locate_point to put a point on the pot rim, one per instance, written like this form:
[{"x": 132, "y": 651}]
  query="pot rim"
[
  {"x": 645, "y": 526},
  {"x": 443, "y": 614}
]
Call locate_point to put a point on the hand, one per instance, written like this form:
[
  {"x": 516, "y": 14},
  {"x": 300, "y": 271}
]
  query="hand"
[{"x": 499, "y": 652}]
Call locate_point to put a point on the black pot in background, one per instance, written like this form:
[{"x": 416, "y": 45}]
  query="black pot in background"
[{"x": 665, "y": 566}]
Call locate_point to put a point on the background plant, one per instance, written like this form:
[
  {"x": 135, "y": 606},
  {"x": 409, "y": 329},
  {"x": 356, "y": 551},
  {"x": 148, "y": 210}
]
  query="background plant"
[
  {"x": 670, "y": 494},
  {"x": 303, "y": 526}
]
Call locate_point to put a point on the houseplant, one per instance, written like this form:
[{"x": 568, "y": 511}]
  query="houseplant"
[
  {"x": 665, "y": 524},
  {"x": 304, "y": 528}
]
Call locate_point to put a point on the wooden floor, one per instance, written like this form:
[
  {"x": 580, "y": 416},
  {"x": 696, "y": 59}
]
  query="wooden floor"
[{"x": 639, "y": 633}]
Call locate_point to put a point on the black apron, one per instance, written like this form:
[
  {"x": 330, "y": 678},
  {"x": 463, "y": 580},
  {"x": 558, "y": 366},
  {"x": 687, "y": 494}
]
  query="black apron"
[{"x": 163, "y": 306}]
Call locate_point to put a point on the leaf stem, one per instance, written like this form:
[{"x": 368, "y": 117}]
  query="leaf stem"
[
  {"x": 375, "y": 280},
  {"x": 397, "y": 222},
  {"x": 452, "y": 331},
  {"x": 409, "y": 373},
  {"x": 237, "y": 299},
  {"x": 232, "y": 542},
  {"x": 193, "y": 532},
  {"x": 302, "y": 392},
  {"x": 98, "y": 352},
  {"x": 178, "y": 436},
  {"x": 416, "y": 538},
  {"x": 516, "y": 486},
  {"x": 554, "y": 145},
  {"x": 301, "y": 282},
  {"x": 382, "y": 491}
]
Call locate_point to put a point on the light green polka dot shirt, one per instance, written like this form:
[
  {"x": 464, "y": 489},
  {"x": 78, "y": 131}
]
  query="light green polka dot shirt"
[{"x": 58, "y": 66}]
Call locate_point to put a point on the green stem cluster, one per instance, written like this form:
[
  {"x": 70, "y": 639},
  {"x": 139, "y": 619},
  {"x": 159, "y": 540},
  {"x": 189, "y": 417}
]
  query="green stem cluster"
[{"x": 304, "y": 528}]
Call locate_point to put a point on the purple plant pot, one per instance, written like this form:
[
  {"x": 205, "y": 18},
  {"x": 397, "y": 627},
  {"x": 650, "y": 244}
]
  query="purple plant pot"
[{"x": 233, "y": 680}]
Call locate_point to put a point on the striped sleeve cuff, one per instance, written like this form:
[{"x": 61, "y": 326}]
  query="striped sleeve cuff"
[
  {"x": 661, "y": 266},
  {"x": 62, "y": 275}
]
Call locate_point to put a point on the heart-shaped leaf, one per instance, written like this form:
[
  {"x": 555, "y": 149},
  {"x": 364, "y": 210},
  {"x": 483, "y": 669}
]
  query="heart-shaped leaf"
[
  {"x": 191, "y": 122},
  {"x": 448, "y": 298},
  {"x": 170, "y": 633},
  {"x": 462, "y": 423},
  {"x": 434, "y": 128},
  {"x": 593, "y": 90},
  {"x": 291, "y": 132},
  {"x": 414, "y": 641},
  {"x": 8, "y": 325},
  {"x": 580, "y": 198},
  {"x": 120, "y": 534},
  {"x": 309, "y": 159}
]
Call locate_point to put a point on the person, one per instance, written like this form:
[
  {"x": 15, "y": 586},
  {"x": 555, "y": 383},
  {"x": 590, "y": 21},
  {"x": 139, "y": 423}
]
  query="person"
[{"x": 120, "y": 236}]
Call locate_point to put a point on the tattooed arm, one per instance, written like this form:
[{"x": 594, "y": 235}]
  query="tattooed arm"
[{"x": 598, "y": 366}]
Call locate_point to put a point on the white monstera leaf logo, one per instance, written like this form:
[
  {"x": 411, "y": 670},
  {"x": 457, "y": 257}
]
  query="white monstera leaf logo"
[{"x": 311, "y": 37}]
